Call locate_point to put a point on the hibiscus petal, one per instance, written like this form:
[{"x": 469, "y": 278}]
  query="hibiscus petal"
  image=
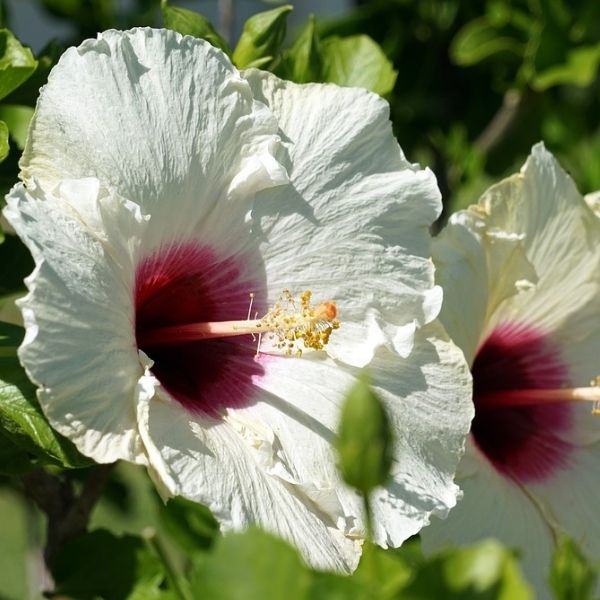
[
  {"x": 496, "y": 507},
  {"x": 221, "y": 463},
  {"x": 353, "y": 223},
  {"x": 79, "y": 345},
  {"x": 187, "y": 132}
]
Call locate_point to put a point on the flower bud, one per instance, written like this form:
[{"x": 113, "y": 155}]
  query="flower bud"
[{"x": 365, "y": 442}]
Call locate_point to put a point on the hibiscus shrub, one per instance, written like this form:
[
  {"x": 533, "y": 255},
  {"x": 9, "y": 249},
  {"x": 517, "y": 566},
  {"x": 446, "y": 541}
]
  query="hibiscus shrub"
[{"x": 311, "y": 442}]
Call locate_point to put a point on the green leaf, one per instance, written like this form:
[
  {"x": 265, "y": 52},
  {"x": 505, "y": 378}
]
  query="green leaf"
[
  {"x": 100, "y": 564},
  {"x": 486, "y": 570},
  {"x": 253, "y": 566},
  {"x": 188, "y": 22},
  {"x": 190, "y": 524},
  {"x": 16, "y": 63},
  {"x": 261, "y": 38},
  {"x": 4, "y": 146},
  {"x": 481, "y": 39},
  {"x": 21, "y": 418},
  {"x": 357, "y": 61},
  {"x": 13, "y": 460},
  {"x": 303, "y": 62},
  {"x": 365, "y": 443},
  {"x": 382, "y": 572},
  {"x": 572, "y": 577},
  {"x": 580, "y": 68},
  {"x": 17, "y": 118}
]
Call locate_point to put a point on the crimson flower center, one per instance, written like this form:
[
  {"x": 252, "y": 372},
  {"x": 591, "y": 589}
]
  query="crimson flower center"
[
  {"x": 190, "y": 283},
  {"x": 519, "y": 364}
]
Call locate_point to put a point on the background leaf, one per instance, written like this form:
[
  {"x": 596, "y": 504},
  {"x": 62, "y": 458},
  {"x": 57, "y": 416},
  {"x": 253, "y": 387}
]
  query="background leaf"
[
  {"x": 261, "y": 38},
  {"x": 357, "y": 61},
  {"x": 188, "y": 22},
  {"x": 21, "y": 418},
  {"x": 16, "y": 63},
  {"x": 100, "y": 564},
  {"x": 17, "y": 118}
]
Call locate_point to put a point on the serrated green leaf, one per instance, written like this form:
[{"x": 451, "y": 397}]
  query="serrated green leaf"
[
  {"x": 357, "y": 61},
  {"x": 16, "y": 63},
  {"x": 17, "y": 117},
  {"x": 261, "y": 37},
  {"x": 481, "y": 39},
  {"x": 365, "y": 442},
  {"x": 4, "y": 146},
  {"x": 253, "y": 566},
  {"x": 188, "y": 22},
  {"x": 100, "y": 564},
  {"x": 21, "y": 417},
  {"x": 572, "y": 577},
  {"x": 303, "y": 62},
  {"x": 580, "y": 68},
  {"x": 190, "y": 524}
]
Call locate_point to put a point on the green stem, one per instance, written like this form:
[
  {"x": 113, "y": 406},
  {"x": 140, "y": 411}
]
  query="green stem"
[
  {"x": 173, "y": 577},
  {"x": 8, "y": 351}
]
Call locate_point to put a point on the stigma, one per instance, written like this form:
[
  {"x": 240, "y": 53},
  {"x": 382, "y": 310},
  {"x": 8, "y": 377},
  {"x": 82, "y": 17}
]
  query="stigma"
[{"x": 291, "y": 326}]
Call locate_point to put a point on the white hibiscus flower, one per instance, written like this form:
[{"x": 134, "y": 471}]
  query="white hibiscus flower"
[
  {"x": 521, "y": 275},
  {"x": 161, "y": 190}
]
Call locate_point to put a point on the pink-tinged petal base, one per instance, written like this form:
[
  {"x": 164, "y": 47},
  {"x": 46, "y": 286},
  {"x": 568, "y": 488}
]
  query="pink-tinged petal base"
[
  {"x": 189, "y": 283},
  {"x": 522, "y": 442}
]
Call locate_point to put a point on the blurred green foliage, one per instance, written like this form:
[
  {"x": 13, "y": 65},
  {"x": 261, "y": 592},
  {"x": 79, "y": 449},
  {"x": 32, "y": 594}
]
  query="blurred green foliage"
[{"x": 471, "y": 86}]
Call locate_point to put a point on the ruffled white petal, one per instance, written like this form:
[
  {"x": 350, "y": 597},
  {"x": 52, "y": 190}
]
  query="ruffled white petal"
[
  {"x": 79, "y": 345},
  {"x": 560, "y": 240},
  {"x": 231, "y": 465},
  {"x": 428, "y": 399},
  {"x": 353, "y": 223},
  {"x": 163, "y": 120},
  {"x": 570, "y": 499}
]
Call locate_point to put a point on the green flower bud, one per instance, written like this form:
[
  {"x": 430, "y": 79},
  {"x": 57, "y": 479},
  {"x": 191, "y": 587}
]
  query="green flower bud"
[{"x": 365, "y": 442}]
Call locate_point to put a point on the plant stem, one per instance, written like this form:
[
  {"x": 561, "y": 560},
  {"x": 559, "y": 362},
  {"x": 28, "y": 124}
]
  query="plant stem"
[{"x": 173, "y": 577}]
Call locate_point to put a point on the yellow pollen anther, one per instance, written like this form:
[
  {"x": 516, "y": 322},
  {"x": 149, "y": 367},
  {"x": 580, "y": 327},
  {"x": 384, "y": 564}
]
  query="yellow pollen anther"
[{"x": 290, "y": 322}]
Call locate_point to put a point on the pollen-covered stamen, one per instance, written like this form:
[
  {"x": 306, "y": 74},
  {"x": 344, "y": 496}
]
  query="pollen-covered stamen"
[
  {"x": 541, "y": 396},
  {"x": 286, "y": 324}
]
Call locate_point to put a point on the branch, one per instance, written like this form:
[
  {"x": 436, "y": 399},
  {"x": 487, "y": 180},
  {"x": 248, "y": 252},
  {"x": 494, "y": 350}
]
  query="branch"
[
  {"x": 226, "y": 10},
  {"x": 68, "y": 515},
  {"x": 501, "y": 122}
]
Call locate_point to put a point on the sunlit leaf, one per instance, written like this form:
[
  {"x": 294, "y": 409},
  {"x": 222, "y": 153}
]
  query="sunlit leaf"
[
  {"x": 485, "y": 570},
  {"x": 188, "y": 22},
  {"x": 4, "y": 146},
  {"x": 17, "y": 118},
  {"x": 572, "y": 577},
  {"x": 21, "y": 418},
  {"x": 252, "y": 566},
  {"x": 303, "y": 62},
  {"x": 481, "y": 39},
  {"x": 580, "y": 68},
  {"x": 357, "y": 61},
  {"x": 261, "y": 38},
  {"x": 16, "y": 63}
]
